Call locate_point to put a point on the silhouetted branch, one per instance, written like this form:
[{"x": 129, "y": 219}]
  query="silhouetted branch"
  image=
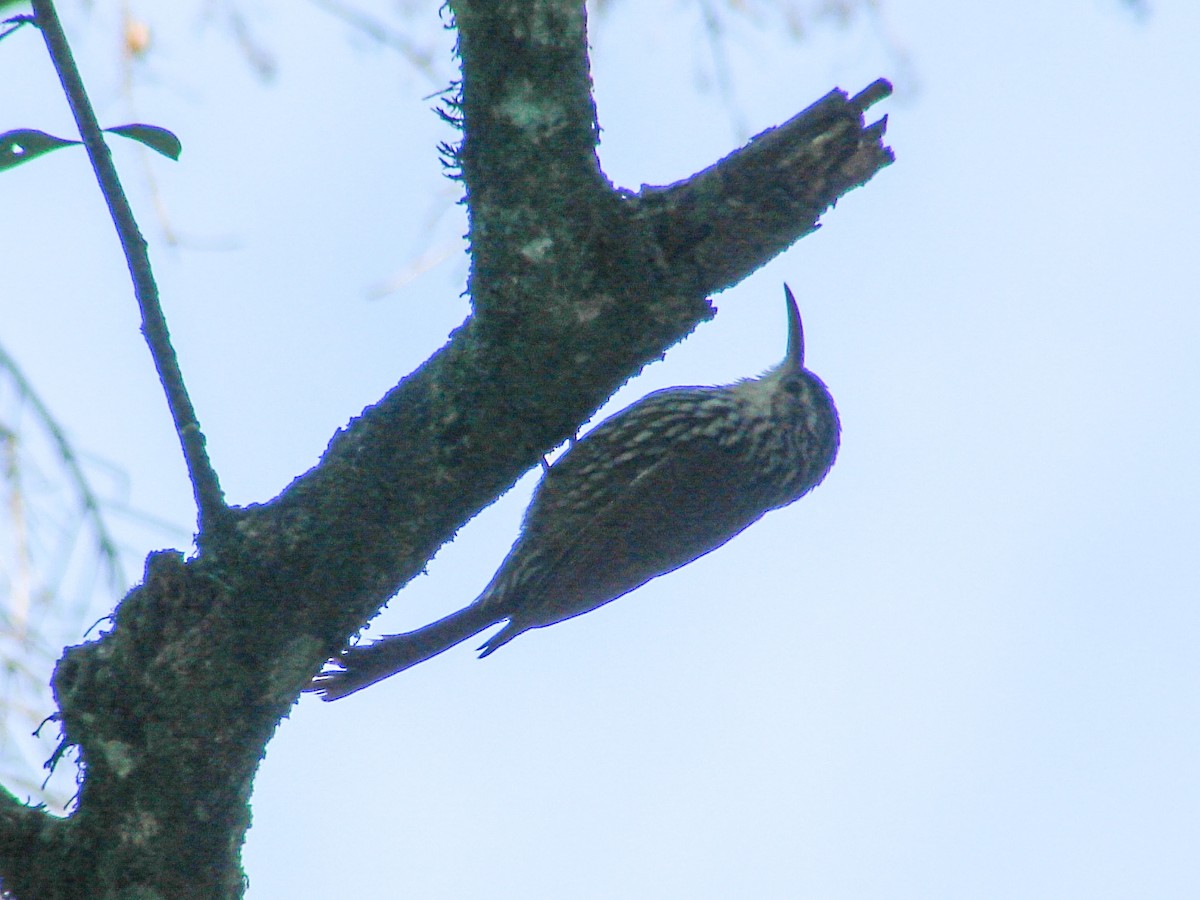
[{"x": 210, "y": 502}]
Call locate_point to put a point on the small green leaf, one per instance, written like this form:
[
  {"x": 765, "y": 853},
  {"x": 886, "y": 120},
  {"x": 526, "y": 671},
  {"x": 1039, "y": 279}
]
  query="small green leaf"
[
  {"x": 25, "y": 144},
  {"x": 165, "y": 142}
]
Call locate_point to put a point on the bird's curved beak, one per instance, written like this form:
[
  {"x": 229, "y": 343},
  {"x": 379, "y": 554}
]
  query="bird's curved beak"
[{"x": 795, "y": 349}]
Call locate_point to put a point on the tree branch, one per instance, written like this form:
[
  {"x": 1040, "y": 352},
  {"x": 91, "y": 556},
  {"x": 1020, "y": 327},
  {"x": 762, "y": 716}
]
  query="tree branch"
[
  {"x": 729, "y": 219},
  {"x": 210, "y": 503},
  {"x": 575, "y": 286}
]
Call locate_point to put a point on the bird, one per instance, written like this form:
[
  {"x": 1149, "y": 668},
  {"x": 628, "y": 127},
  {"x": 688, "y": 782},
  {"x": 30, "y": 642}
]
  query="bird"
[{"x": 657, "y": 485}]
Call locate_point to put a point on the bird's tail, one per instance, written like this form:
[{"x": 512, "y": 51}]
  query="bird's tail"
[{"x": 357, "y": 667}]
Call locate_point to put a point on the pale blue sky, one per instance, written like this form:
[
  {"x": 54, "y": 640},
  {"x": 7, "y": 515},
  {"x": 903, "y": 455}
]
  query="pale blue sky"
[{"x": 964, "y": 667}]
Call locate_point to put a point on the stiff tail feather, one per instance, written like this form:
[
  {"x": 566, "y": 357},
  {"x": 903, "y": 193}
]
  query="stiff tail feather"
[{"x": 357, "y": 667}]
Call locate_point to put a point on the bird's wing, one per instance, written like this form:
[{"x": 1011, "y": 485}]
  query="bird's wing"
[{"x": 650, "y": 509}]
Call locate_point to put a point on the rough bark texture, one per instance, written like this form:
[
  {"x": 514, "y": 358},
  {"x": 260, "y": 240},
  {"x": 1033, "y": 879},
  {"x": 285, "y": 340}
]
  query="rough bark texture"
[{"x": 575, "y": 287}]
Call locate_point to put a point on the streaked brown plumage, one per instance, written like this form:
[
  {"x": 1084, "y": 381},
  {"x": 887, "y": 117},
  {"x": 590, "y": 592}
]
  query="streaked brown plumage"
[{"x": 659, "y": 484}]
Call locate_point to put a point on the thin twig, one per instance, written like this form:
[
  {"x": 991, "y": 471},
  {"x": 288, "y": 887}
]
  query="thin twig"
[
  {"x": 210, "y": 502},
  {"x": 66, "y": 454},
  {"x": 16, "y": 22}
]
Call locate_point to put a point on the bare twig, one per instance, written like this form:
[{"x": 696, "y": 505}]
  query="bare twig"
[
  {"x": 87, "y": 497},
  {"x": 210, "y": 503}
]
